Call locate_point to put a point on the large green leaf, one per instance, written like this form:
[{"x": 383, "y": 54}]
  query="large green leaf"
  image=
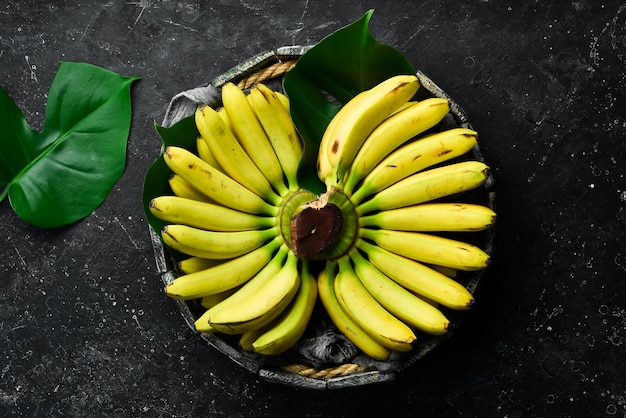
[
  {"x": 328, "y": 75},
  {"x": 60, "y": 175}
]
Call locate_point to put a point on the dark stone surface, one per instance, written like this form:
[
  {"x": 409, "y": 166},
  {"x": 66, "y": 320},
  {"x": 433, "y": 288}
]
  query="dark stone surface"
[{"x": 85, "y": 328}]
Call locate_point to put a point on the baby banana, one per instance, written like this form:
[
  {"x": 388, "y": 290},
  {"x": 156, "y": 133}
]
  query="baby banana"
[
  {"x": 213, "y": 183},
  {"x": 224, "y": 276},
  {"x": 287, "y": 329},
  {"x": 214, "y": 244},
  {"x": 205, "y": 215},
  {"x": 250, "y": 133},
  {"x": 450, "y": 217},
  {"x": 418, "y": 278},
  {"x": 258, "y": 301},
  {"x": 280, "y": 130},
  {"x": 405, "y": 305},
  {"x": 428, "y": 185},
  {"x": 428, "y": 248},
  {"x": 357, "y": 119},
  {"x": 230, "y": 154},
  {"x": 361, "y": 306},
  {"x": 343, "y": 322},
  {"x": 416, "y": 156},
  {"x": 392, "y": 133}
]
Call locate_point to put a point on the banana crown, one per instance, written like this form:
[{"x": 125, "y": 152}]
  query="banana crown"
[{"x": 384, "y": 249}]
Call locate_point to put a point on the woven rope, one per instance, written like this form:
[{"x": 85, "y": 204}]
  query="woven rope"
[
  {"x": 274, "y": 70},
  {"x": 343, "y": 370}
]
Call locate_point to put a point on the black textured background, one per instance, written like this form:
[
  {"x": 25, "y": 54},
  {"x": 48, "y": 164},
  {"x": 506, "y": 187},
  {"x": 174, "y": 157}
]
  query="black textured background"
[{"x": 86, "y": 331}]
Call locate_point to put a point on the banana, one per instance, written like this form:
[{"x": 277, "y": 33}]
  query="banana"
[
  {"x": 261, "y": 299},
  {"x": 210, "y": 301},
  {"x": 284, "y": 100},
  {"x": 222, "y": 113},
  {"x": 193, "y": 264},
  {"x": 246, "y": 339},
  {"x": 358, "y": 118},
  {"x": 214, "y": 244},
  {"x": 392, "y": 133},
  {"x": 416, "y": 156},
  {"x": 427, "y": 185},
  {"x": 400, "y": 302},
  {"x": 250, "y": 133},
  {"x": 418, "y": 278},
  {"x": 181, "y": 188},
  {"x": 352, "y": 331},
  {"x": 287, "y": 329},
  {"x": 204, "y": 152},
  {"x": 427, "y": 248},
  {"x": 214, "y": 184},
  {"x": 365, "y": 310},
  {"x": 180, "y": 210},
  {"x": 230, "y": 154},
  {"x": 449, "y": 217},
  {"x": 278, "y": 126},
  {"x": 224, "y": 276}
]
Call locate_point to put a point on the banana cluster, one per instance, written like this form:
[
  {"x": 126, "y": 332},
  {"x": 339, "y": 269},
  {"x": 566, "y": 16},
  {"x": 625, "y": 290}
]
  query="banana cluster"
[{"x": 380, "y": 248}]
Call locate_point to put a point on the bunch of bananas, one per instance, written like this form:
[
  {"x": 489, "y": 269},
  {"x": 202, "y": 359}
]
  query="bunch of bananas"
[{"x": 259, "y": 250}]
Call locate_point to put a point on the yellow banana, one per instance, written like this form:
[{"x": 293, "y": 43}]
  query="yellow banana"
[
  {"x": 181, "y": 188},
  {"x": 428, "y": 248},
  {"x": 287, "y": 329},
  {"x": 427, "y": 185},
  {"x": 224, "y": 276},
  {"x": 418, "y": 278},
  {"x": 180, "y": 210},
  {"x": 416, "y": 156},
  {"x": 284, "y": 100},
  {"x": 204, "y": 152},
  {"x": 230, "y": 154},
  {"x": 210, "y": 301},
  {"x": 193, "y": 264},
  {"x": 365, "y": 310},
  {"x": 280, "y": 130},
  {"x": 260, "y": 300},
  {"x": 214, "y": 244},
  {"x": 214, "y": 184},
  {"x": 247, "y": 338},
  {"x": 451, "y": 217},
  {"x": 400, "y": 302},
  {"x": 392, "y": 133},
  {"x": 222, "y": 113},
  {"x": 349, "y": 328},
  {"x": 250, "y": 133},
  {"x": 358, "y": 118}
]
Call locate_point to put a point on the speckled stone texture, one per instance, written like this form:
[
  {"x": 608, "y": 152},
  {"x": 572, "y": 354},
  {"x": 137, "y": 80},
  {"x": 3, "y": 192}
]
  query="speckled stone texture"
[{"x": 86, "y": 330}]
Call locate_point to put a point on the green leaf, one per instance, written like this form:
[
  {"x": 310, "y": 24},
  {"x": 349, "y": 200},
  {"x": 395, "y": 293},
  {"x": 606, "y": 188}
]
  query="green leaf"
[
  {"x": 60, "y": 175},
  {"x": 342, "y": 65},
  {"x": 182, "y": 134}
]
